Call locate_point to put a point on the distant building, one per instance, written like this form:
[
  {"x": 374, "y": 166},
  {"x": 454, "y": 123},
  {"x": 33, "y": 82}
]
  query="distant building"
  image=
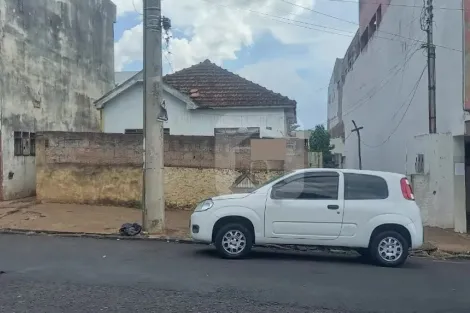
[
  {"x": 57, "y": 57},
  {"x": 203, "y": 100},
  {"x": 381, "y": 84}
]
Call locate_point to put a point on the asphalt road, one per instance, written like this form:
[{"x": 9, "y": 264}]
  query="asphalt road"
[{"x": 52, "y": 274}]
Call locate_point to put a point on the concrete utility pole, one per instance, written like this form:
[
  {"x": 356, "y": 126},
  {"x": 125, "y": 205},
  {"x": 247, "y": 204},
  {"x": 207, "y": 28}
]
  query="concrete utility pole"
[
  {"x": 431, "y": 49},
  {"x": 152, "y": 188},
  {"x": 358, "y": 130}
]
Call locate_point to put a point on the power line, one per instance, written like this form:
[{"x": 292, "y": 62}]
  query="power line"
[
  {"x": 415, "y": 88},
  {"x": 355, "y": 23},
  {"x": 325, "y": 29},
  {"x": 392, "y": 4},
  {"x": 169, "y": 61},
  {"x": 382, "y": 83}
]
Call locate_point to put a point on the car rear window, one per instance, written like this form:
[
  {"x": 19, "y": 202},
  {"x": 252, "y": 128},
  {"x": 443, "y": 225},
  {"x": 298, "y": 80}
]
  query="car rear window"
[{"x": 364, "y": 187}]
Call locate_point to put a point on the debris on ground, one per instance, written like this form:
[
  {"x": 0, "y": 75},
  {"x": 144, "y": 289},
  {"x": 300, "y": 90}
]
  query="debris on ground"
[{"x": 129, "y": 229}]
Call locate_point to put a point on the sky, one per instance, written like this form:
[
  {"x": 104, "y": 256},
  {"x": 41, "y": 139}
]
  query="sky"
[{"x": 280, "y": 44}]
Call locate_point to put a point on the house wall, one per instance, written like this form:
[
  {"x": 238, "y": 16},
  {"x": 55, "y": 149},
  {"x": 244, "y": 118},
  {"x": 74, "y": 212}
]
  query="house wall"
[
  {"x": 334, "y": 96},
  {"x": 379, "y": 95},
  {"x": 126, "y": 112},
  {"x": 103, "y": 168},
  {"x": 56, "y": 57}
]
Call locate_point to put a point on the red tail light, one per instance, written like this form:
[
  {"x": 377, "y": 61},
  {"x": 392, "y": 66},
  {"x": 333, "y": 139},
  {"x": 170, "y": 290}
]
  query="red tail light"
[{"x": 406, "y": 189}]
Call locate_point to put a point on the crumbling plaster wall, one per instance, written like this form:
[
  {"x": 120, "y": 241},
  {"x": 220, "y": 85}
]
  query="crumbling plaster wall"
[{"x": 56, "y": 58}]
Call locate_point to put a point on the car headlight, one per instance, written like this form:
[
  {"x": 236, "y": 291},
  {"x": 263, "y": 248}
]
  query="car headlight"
[{"x": 204, "y": 205}]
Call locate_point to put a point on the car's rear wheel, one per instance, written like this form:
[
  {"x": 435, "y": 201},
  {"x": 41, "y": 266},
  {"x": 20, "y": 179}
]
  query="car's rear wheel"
[
  {"x": 389, "y": 249},
  {"x": 234, "y": 241}
]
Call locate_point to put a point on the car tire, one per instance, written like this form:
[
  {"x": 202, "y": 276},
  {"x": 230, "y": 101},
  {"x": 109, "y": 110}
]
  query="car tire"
[
  {"x": 234, "y": 241},
  {"x": 389, "y": 249}
]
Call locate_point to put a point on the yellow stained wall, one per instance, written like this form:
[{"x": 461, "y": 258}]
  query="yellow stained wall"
[{"x": 122, "y": 185}]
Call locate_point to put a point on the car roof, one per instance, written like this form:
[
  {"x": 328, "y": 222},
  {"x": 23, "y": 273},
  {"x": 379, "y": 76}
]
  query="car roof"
[{"x": 352, "y": 171}]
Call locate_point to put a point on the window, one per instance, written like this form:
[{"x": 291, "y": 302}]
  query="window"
[
  {"x": 24, "y": 143},
  {"x": 140, "y": 131},
  {"x": 379, "y": 15},
  {"x": 26, "y": 147},
  {"x": 317, "y": 186},
  {"x": 32, "y": 143},
  {"x": 372, "y": 26},
  {"x": 252, "y": 132},
  {"x": 364, "y": 187},
  {"x": 18, "y": 143}
]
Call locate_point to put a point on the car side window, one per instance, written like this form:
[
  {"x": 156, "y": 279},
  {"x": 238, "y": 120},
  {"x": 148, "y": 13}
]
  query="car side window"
[
  {"x": 364, "y": 187},
  {"x": 318, "y": 186}
]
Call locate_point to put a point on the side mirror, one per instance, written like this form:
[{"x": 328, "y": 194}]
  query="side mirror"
[{"x": 276, "y": 193}]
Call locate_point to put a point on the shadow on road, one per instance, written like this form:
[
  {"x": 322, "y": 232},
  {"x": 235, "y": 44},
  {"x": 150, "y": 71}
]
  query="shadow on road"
[{"x": 276, "y": 255}]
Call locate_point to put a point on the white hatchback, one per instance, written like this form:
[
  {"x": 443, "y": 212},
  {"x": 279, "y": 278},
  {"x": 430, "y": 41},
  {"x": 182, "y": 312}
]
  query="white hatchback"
[{"x": 369, "y": 211}]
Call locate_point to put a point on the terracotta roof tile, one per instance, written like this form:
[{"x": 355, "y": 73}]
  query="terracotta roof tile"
[{"x": 209, "y": 86}]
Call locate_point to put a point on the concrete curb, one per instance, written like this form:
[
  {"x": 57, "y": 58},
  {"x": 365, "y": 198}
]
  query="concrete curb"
[
  {"x": 441, "y": 254},
  {"x": 29, "y": 232},
  {"x": 427, "y": 253}
]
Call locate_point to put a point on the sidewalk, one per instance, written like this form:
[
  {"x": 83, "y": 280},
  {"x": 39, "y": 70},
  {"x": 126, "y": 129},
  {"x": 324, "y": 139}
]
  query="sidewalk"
[
  {"x": 446, "y": 240},
  {"x": 74, "y": 218},
  {"x": 26, "y": 214}
]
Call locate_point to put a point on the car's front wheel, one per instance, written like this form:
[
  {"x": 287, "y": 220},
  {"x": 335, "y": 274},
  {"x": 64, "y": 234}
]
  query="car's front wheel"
[
  {"x": 389, "y": 249},
  {"x": 234, "y": 241}
]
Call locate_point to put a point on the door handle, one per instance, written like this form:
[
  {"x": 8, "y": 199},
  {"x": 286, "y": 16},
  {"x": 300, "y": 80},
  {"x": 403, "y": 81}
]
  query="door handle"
[{"x": 333, "y": 207}]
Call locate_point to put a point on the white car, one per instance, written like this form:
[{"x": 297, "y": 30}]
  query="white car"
[{"x": 369, "y": 211}]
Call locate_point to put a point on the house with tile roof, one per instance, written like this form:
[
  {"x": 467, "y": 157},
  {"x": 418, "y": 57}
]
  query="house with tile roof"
[{"x": 202, "y": 100}]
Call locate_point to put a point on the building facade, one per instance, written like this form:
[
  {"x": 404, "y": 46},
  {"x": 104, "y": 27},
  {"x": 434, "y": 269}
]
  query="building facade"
[
  {"x": 202, "y": 100},
  {"x": 56, "y": 58},
  {"x": 385, "y": 90}
]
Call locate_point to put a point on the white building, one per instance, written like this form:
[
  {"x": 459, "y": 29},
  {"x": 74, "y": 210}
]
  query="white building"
[
  {"x": 202, "y": 100},
  {"x": 383, "y": 85}
]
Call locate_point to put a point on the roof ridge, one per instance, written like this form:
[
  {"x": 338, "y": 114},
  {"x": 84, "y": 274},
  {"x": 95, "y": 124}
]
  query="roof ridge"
[{"x": 211, "y": 85}]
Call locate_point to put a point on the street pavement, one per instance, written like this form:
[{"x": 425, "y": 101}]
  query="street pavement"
[{"x": 52, "y": 274}]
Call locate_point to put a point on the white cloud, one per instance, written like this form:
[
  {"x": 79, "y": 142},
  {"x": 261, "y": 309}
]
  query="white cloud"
[
  {"x": 218, "y": 29},
  {"x": 128, "y": 6}
]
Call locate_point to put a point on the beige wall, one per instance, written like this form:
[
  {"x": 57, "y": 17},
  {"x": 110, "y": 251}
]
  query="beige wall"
[
  {"x": 122, "y": 185},
  {"x": 102, "y": 168}
]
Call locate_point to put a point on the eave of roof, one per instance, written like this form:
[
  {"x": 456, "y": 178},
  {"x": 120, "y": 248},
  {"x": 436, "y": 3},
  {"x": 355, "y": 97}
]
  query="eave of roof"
[{"x": 134, "y": 80}]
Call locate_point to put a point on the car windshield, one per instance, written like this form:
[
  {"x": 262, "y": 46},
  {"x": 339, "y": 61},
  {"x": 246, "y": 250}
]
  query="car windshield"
[{"x": 275, "y": 177}]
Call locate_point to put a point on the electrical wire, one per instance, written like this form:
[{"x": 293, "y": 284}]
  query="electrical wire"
[
  {"x": 392, "y": 4},
  {"x": 354, "y": 23},
  {"x": 313, "y": 26},
  {"x": 413, "y": 92},
  {"x": 373, "y": 91},
  {"x": 169, "y": 61}
]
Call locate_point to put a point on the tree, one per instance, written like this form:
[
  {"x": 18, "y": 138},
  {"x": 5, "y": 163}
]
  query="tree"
[{"x": 320, "y": 142}]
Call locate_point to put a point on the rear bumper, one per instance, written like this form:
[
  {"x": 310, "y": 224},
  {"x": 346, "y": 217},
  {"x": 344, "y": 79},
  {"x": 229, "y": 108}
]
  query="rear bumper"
[{"x": 417, "y": 235}]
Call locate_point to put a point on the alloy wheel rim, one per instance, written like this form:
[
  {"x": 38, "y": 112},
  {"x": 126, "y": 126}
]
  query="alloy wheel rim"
[
  {"x": 234, "y": 242},
  {"x": 390, "y": 249}
]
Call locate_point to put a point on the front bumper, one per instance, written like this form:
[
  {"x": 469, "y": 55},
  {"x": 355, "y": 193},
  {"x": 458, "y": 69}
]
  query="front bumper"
[{"x": 201, "y": 226}]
